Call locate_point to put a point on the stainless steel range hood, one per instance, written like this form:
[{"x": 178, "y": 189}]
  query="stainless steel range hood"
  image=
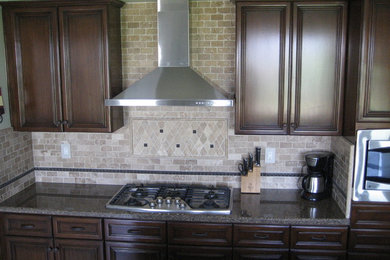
[{"x": 173, "y": 83}]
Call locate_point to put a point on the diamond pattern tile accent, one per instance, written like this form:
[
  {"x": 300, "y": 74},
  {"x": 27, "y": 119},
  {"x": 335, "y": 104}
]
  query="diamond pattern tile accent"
[{"x": 209, "y": 139}]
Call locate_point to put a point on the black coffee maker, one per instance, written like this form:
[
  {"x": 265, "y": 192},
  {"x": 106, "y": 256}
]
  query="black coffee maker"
[{"x": 317, "y": 184}]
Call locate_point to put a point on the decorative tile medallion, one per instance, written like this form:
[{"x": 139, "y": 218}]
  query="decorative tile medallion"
[{"x": 179, "y": 138}]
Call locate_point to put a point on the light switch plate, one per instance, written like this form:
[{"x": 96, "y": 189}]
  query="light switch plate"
[
  {"x": 65, "y": 150},
  {"x": 269, "y": 155}
]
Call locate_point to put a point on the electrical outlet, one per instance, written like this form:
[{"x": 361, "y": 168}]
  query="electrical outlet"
[
  {"x": 65, "y": 150},
  {"x": 269, "y": 155}
]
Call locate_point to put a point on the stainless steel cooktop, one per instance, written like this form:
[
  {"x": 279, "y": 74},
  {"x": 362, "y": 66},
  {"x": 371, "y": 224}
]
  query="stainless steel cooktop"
[{"x": 173, "y": 198}]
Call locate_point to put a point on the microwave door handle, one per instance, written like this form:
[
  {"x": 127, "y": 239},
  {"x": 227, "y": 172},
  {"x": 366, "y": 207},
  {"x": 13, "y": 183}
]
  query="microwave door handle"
[{"x": 378, "y": 144}]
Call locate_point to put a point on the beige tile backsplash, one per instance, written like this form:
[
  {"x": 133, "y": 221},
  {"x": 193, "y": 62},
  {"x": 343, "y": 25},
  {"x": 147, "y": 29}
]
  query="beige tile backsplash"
[{"x": 16, "y": 157}]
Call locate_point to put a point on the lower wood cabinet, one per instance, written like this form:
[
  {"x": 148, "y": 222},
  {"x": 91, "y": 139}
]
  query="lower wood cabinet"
[
  {"x": 369, "y": 236},
  {"x": 70, "y": 249},
  {"x": 31, "y": 237},
  {"x": 261, "y": 241},
  {"x": 318, "y": 242},
  {"x": 32, "y": 248},
  {"x": 305, "y": 254},
  {"x": 199, "y": 252},
  {"x": 138, "y": 251},
  {"x": 261, "y": 253}
]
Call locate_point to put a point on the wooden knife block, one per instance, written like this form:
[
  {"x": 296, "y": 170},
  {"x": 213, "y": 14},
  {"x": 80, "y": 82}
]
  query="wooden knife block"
[{"x": 251, "y": 182}]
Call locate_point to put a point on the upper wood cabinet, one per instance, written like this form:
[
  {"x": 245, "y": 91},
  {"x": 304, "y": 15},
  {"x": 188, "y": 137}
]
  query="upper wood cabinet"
[
  {"x": 367, "y": 100},
  {"x": 63, "y": 60},
  {"x": 290, "y": 66}
]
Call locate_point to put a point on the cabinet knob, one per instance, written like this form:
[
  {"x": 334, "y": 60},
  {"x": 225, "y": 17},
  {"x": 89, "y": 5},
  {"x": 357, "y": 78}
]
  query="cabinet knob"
[
  {"x": 49, "y": 249},
  {"x": 293, "y": 125},
  {"x": 58, "y": 123},
  {"x": 56, "y": 249},
  {"x": 65, "y": 122}
]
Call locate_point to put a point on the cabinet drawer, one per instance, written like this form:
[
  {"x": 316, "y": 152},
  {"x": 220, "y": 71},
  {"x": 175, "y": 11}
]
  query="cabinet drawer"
[
  {"x": 369, "y": 240},
  {"x": 304, "y": 254},
  {"x": 244, "y": 253},
  {"x": 200, "y": 234},
  {"x": 80, "y": 228},
  {"x": 319, "y": 237},
  {"x": 261, "y": 236},
  {"x": 27, "y": 225},
  {"x": 135, "y": 231},
  {"x": 370, "y": 216},
  {"x": 199, "y": 252}
]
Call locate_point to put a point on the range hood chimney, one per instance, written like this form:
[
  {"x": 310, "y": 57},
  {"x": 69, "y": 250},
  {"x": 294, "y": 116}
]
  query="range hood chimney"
[{"x": 173, "y": 83}]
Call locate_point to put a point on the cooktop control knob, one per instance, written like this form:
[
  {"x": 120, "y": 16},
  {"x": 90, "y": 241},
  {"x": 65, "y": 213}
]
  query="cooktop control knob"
[
  {"x": 152, "y": 204},
  {"x": 177, "y": 201},
  {"x": 159, "y": 200},
  {"x": 182, "y": 205},
  {"x": 168, "y": 200}
]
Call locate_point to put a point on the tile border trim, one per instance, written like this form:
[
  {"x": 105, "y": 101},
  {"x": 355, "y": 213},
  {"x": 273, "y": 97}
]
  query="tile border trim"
[
  {"x": 159, "y": 172},
  {"x": 5, "y": 184}
]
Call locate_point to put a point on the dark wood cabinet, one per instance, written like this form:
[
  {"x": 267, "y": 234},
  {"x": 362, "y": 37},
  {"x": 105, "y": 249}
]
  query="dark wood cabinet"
[
  {"x": 122, "y": 251},
  {"x": 260, "y": 253},
  {"x": 290, "y": 67},
  {"x": 369, "y": 236},
  {"x": 68, "y": 249},
  {"x": 199, "y": 252},
  {"x": 59, "y": 59},
  {"x": 32, "y": 248},
  {"x": 260, "y": 241},
  {"x": 180, "y": 233},
  {"x": 31, "y": 237},
  {"x": 367, "y": 99},
  {"x": 135, "y": 231},
  {"x": 199, "y": 240},
  {"x": 133, "y": 239},
  {"x": 302, "y": 254}
]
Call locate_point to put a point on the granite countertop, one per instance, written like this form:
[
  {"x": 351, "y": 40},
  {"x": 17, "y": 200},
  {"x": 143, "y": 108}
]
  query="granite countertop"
[{"x": 270, "y": 207}]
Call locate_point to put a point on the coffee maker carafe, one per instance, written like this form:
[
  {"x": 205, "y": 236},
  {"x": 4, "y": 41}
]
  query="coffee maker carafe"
[{"x": 317, "y": 184}]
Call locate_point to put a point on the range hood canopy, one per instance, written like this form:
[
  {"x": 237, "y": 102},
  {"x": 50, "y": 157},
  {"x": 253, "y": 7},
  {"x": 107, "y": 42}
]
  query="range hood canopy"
[{"x": 173, "y": 83}]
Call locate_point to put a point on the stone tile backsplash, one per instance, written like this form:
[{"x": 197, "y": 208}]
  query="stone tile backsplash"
[
  {"x": 343, "y": 172},
  {"x": 16, "y": 158}
]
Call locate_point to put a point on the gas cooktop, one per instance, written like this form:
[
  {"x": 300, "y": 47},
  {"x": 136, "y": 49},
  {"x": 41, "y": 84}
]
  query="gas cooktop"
[{"x": 173, "y": 198}]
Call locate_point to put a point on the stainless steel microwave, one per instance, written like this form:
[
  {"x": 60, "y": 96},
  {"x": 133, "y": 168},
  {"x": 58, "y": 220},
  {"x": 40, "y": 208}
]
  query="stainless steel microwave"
[{"x": 372, "y": 166}]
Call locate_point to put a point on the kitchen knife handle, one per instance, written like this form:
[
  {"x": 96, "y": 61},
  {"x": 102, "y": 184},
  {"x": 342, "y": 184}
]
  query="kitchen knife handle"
[
  {"x": 250, "y": 162},
  {"x": 258, "y": 154}
]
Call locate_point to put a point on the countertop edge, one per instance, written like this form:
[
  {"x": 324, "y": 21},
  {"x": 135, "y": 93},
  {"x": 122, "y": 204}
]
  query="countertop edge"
[{"x": 180, "y": 217}]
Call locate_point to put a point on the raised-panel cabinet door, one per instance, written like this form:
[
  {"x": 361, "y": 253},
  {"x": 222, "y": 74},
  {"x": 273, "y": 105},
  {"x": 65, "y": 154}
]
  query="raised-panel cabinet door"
[
  {"x": 137, "y": 251},
  {"x": 33, "y": 68},
  {"x": 262, "y": 67},
  {"x": 84, "y": 53},
  {"x": 67, "y": 249},
  {"x": 22, "y": 248},
  {"x": 375, "y": 77},
  {"x": 317, "y": 79},
  {"x": 199, "y": 252}
]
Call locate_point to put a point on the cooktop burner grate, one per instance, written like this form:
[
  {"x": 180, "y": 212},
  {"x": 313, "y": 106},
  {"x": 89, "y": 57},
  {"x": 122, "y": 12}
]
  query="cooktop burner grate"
[{"x": 173, "y": 198}]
